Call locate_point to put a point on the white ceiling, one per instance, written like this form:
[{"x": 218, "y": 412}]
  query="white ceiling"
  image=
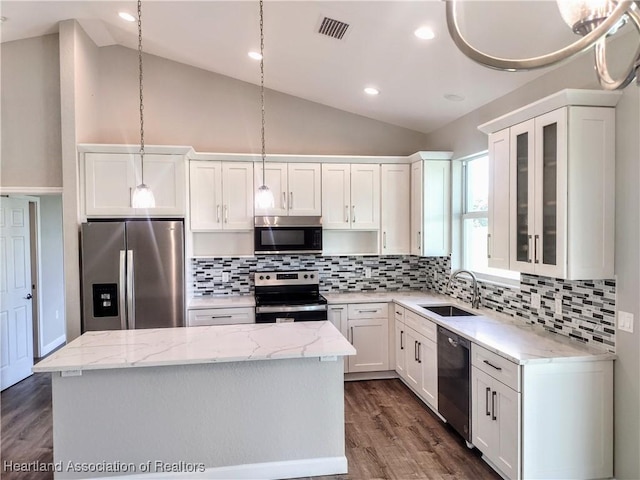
[{"x": 379, "y": 49}]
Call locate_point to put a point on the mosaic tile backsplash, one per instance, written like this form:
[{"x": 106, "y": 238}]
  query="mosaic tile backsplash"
[{"x": 588, "y": 307}]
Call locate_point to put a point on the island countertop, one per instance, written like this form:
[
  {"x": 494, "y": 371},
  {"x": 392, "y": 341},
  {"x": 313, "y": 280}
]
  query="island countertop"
[{"x": 117, "y": 349}]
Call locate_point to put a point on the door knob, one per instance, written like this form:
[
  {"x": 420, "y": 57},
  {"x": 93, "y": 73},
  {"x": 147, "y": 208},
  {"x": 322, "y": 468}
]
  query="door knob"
[{"x": 28, "y": 297}]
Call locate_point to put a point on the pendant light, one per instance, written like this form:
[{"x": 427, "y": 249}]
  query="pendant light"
[
  {"x": 593, "y": 20},
  {"x": 264, "y": 195},
  {"x": 142, "y": 195}
]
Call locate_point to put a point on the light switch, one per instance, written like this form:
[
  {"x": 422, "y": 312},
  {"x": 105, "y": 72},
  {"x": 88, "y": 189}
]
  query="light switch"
[
  {"x": 535, "y": 300},
  {"x": 625, "y": 321}
]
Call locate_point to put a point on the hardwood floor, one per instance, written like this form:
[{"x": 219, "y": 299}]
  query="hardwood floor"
[{"x": 389, "y": 434}]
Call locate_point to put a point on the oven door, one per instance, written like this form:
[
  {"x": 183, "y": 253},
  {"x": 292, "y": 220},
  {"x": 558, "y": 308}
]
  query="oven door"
[{"x": 308, "y": 313}]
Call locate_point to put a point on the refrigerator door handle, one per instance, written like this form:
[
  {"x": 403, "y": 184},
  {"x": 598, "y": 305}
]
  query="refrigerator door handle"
[
  {"x": 130, "y": 294},
  {"x": 122, "y": 288}
]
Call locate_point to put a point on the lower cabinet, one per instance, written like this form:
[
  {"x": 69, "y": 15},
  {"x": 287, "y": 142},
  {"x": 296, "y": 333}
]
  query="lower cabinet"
[
  {"x": 220, "y": 316},
  {"x": 366, "y": 326},
  {"x": 417, "y": 354}
]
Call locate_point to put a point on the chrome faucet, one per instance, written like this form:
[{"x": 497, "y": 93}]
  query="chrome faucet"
[{"x": 475, "y": 300}]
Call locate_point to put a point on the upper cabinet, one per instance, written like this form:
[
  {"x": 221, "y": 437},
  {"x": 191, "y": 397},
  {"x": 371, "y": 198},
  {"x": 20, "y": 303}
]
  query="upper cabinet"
[
  {"x": 110, "y": 179},
  {"x": 351, "y": 196},
  {"x": 395, "y": 204},
  {"x": 220, "y": 195},
  {"x": 561, "y": 192},
  {"x": 296, "y": 188},
  {"x": 431, "y": 206}
]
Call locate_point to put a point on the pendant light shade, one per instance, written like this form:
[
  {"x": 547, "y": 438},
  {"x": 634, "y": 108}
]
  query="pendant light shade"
[
  {"x": 264, "y": 196},
  {"x": 142, "y": 195}
]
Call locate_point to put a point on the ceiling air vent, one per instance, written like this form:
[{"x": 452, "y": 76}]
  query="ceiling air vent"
[{"x": 333, "y": 28}]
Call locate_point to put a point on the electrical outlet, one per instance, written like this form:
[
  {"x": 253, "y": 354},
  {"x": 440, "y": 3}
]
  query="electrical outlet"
[
  {"x": 625, "y": 321},
  {"x": 225, "y": 277},
  {"x": 535, "y": 300},
  {"x": 558, "y": 305},
  {"x": 367, "y": 272}
]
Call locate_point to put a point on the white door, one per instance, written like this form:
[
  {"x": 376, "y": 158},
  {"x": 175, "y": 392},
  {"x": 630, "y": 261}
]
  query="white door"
[
  {"x": 365, "y": 197},
  {"x": 336, "y": 196},
  {"x": 416, "y": 208},
  {"x": 205, "y": 194},
  {"x": 395, "y": 215},
  {"x": 304, "y": 189},
  {"x": 16, "y": 327},
  {"x": 275, "y": 176},
  {"x": 498, "y": 235},
  {"x": 237, "y": 194}
]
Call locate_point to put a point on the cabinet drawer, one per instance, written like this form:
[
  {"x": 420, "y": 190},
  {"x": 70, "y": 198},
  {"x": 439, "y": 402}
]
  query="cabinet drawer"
[
  {"x": 398, "y": 313},
  {"x": 220, "y": 316},
  {"x": 368, "y": 310},
  {"x": 496, "y": 366},
  {"x": 421, "y": 325}
]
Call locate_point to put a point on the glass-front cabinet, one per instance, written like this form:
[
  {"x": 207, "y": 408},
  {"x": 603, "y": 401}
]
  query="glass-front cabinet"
[{"x": 538, "y": 189}]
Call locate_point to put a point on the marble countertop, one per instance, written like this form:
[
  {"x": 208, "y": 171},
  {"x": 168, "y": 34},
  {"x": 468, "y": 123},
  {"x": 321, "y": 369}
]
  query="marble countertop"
[
  {"x": 510, "y": 338},
  {"x": 197, "y": 345},
  {"x": 222, "y": 301}
]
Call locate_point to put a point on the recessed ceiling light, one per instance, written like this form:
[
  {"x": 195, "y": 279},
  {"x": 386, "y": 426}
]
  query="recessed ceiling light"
[
  {"x": 371, "y": 91},
  {"x": 255, "y": 55},
  {"x": 453, "y": 97},
  {"x": 425, "y": 33},
  {"x": 127, "y": 16}
]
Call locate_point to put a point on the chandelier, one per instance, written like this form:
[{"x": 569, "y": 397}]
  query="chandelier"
[{"x": 593, "y": 20}]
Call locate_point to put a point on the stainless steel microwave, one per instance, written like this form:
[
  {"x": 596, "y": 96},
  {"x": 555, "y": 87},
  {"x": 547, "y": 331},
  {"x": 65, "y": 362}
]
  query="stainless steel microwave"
[{"x": 288, "y": 235}]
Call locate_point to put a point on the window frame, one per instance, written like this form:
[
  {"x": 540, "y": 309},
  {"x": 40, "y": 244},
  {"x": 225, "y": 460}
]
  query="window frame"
[{"x": 477, "y": 214}]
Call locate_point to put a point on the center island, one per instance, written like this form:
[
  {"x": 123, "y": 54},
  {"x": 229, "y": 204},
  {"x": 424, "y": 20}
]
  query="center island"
[{"x": 230, "y": 401}]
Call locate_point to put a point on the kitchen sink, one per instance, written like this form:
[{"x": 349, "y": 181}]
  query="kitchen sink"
[{"x": 448, "y": 310}]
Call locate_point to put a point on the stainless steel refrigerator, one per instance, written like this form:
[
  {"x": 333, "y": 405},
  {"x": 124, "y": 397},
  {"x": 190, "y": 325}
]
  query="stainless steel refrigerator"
[{"x": 132, "y": 274}]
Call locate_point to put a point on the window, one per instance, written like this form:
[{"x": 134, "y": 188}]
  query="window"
[{"x": 475, "y": 217}]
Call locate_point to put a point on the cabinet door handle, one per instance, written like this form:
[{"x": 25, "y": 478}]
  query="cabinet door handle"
[
  {"x": 337, "y": 308},
  {"x": 284, "y": 200},
  {"x": 492, "y": 365},
  {"x": 218, "y": 213},
  {"x": 221, "y": 316},
  {"x": 401, "y": 339},
  {"x": 486, "y": 399},
  {"x": 488, "y": 245},
  {"x": 493, "y": 405},
  {"x": 415, "y": 350},
  {"x": 419, "y": 359},
  {"x": 346, "y": 213},
  {"x": 290, "y": 200},
  {"x": 368, "y": 311},
  {"x": 226, "y": 214},
  {"x": 535, "y": 248},
  {"x": 419, "y": 246},
  {"x": 351, "y": 335},
  {"x": 353, "y": 213},
  {"x": 384, "y": 240},
  {"x": 529, "y": 249}
]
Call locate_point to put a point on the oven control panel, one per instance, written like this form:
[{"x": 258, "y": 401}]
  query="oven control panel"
[{"x": 302, "y": 277}]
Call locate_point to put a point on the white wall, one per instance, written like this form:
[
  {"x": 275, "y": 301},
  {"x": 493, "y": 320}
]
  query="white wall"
[
  {"x": 30, "y": 154},
  {"x": 52, "y": 321}
]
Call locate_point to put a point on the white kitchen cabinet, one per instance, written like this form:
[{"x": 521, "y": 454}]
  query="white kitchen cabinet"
[
  {"x": 400, "y": 341},
  {"x": 220, "y": 195},
  {"x": 561, "y": 186},
  {"x": 110, "y": 179},
  {"x": 351, "y": 196},
  {"x": 296, "y": 188},
  {"x": 220, "y": 316},
  {"x": 395, "y": 215},
  {"x": 368, "y": 332},
  {"x": 498, "y": 229},
  {"x": 543, "y": 420},
  {"x": 431, "y": 208},
  {"x": 337, "y": 314}
]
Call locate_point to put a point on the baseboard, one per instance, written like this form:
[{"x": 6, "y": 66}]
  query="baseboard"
[
  {"x": 384, "y": 375},
  {"x": 308, "y": 467}
]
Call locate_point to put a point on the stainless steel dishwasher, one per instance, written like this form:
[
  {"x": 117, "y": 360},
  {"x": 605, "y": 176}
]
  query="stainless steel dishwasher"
[{"x": 454, "y": 381}]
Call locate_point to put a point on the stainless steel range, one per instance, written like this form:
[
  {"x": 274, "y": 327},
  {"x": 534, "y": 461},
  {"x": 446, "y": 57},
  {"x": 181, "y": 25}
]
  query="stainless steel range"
[{"x": 292, "y": 296}]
